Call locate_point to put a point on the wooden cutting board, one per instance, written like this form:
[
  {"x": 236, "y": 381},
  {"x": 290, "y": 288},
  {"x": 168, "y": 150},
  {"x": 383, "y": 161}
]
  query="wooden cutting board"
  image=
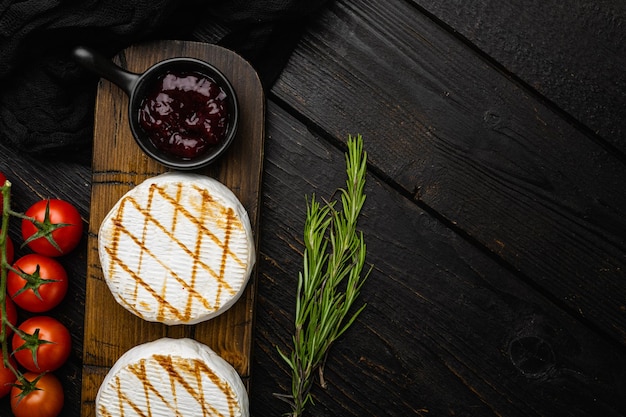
[{"x": 118, "y": 166}]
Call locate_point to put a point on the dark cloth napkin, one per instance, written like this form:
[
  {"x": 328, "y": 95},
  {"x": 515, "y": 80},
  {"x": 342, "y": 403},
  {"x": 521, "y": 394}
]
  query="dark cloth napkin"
[{"x": 47, "y": 100}]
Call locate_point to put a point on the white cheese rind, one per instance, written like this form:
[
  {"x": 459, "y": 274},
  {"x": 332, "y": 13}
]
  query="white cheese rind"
[
  {"x": 172, "y": 377},
  {"x": 177, "y": 249}
]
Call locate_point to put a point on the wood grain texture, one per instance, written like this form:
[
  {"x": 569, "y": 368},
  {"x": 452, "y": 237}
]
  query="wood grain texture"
[
  {"x": 485, "y": 154},
  {"x": 119, "y": 165},
  {"x": 447, "y": 330},
  {"x": 548, "y": 45}
]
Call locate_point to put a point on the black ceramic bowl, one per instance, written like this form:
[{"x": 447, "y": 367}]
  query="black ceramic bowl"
[{"x": 138, "y": 87}]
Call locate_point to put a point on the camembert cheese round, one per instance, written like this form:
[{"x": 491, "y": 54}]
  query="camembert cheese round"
[
  {"x": 177, "y": 249},
  {"x": 172, "y": 377}
]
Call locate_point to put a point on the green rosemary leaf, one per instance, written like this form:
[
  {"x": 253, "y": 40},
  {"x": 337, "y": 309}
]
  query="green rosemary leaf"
[{"x": 331, "y": 279}]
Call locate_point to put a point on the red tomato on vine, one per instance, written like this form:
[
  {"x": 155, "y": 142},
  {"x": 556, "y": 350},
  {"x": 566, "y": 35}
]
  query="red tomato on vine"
[
  {"x": 37, "y": 283},
  {"x": 41, "y": 344},
  {"x": 56, "y": 228},
  {"x": 40, "y": 396}
]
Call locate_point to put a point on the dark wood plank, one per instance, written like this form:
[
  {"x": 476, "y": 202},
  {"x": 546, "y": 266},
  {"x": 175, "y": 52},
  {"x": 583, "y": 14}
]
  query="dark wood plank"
[
  {"x": 118, "y": 165},
  {"x": 465, "y": 141},
  {"x": 446, "y": 331},
  {"x": 549, "y": 45}
]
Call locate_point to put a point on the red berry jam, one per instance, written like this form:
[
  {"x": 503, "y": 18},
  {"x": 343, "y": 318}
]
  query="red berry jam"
[{"x": 185, "y": 114}]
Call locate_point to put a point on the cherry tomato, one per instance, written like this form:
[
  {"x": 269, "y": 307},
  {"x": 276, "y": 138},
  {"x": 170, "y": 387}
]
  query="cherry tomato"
[
  {"x": 42, "y": 288},
  {"x": 10, "y": 250},
  {"x": 45, "y": 400},
  {"x": 11, "y": 315},
  {"x": 57, "y": 223},
  {"x": 7, "y": 377},
  {"x": 36, "y": 355}
]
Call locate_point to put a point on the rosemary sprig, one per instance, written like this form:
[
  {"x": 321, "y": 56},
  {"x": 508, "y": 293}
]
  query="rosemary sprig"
[{"x": 331, "y": 279}]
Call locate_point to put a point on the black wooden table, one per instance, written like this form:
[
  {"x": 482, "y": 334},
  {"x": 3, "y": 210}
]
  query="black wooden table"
[{"x": 495, "y": 218}]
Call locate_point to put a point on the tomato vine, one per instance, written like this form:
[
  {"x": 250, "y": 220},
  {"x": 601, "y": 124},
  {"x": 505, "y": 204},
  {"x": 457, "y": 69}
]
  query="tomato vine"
[
  {"x": 32, "y": 388},
  {"x": 6, "y": 213}
]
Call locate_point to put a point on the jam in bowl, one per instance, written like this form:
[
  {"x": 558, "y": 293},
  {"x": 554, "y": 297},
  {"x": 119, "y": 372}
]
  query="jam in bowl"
[{"x": 183, "y": 112}]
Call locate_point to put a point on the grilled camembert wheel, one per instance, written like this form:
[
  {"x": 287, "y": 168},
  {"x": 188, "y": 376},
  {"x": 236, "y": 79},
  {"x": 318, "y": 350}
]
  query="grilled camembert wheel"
[
  {"x": 172, "y": 377},
  {"x": 177, "y": 249}
]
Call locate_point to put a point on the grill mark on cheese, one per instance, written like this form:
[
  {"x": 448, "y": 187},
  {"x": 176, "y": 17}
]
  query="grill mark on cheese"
[
  {"x": 205, "y": 195},
  {"x": 122, "y": 399},
  {"x": 153, "y": 220},
  {"x": 154, "y": 294},
  {"x": 187, "y": 373},
  {"x": 118, "y": 385},
  {"x": 228, "y": 230},
  {"x": 225, "y": 216},
  {"x": 139, "y": 370},
  {"x": 122, "y": 229},
  {"x": 180, "y": 369},
  {"x": 145, "y": 386},
  {"x": 206, "y": 199},
  {"x": 161, "y": 308},
  {"x": 144, "y": 233}
]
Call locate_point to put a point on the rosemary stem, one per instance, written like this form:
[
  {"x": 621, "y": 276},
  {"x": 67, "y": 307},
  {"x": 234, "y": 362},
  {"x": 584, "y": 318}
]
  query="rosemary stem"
[{"x": 331, "y": 279}]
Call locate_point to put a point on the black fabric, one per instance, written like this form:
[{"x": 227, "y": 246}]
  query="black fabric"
[{"x": 46, "y": 99}]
